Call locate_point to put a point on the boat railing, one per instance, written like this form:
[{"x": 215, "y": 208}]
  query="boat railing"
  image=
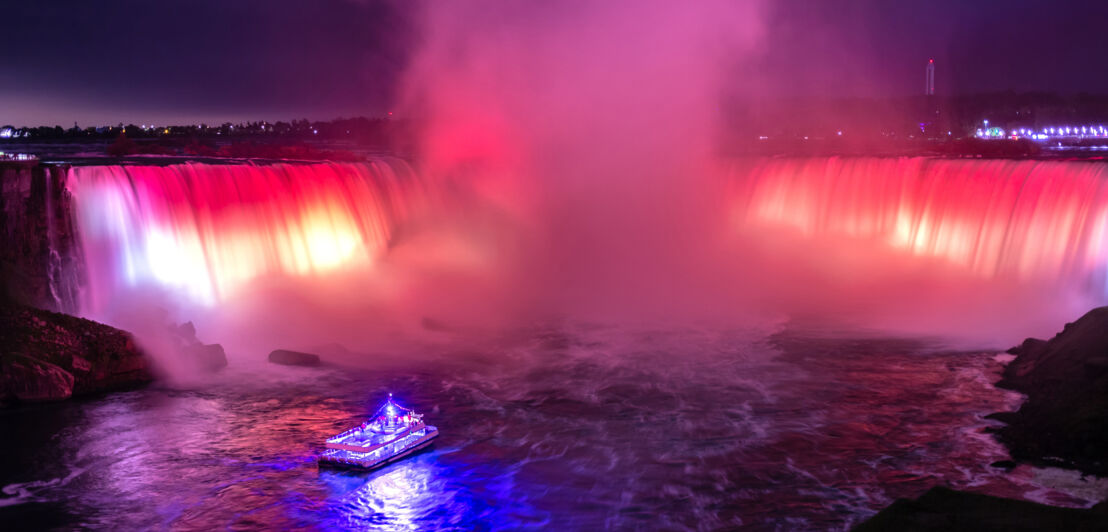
[
  {"x": 332, "y": 443},
  {"x": 342, "y": 435},
  {"x": 396, "y": 447}
]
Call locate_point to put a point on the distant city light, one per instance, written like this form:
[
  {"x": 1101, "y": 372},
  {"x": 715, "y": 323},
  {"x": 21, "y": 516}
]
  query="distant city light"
[{"x": 1046, "y": 132}]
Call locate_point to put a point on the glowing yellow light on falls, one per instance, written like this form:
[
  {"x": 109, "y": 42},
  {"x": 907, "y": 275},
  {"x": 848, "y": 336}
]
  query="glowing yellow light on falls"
[
  {"x": 215, "y": 265},
  {"x": 1027, "y": 219},
  {"x": 207, "y": 231}
]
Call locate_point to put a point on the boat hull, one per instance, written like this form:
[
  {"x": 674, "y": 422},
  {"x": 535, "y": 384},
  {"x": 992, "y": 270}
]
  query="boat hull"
[{"x": 341, "y": 459}]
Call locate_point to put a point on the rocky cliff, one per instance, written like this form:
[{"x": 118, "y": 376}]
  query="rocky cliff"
[
  {"x": 1064, "y": 421},
  {"x": 50, "y": 356},
  {"x": 40, "y": 260}
]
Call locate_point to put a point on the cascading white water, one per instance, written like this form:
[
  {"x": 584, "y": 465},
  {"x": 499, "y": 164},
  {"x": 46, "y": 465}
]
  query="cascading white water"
[
  {"x": 1020, "y": 220},
  {"x": 203, "y": 231}
]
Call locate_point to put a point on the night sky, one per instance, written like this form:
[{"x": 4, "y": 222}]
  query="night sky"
[{"x": 215, "y": 60}]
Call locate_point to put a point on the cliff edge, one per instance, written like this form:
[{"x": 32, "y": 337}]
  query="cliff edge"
[
  {"x": 46, "y": 356},
  {"x": 1064, "y": 421}
]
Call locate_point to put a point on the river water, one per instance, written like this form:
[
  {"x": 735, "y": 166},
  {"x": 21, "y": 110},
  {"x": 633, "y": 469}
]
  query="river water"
[{"x": 562, "y": 427}]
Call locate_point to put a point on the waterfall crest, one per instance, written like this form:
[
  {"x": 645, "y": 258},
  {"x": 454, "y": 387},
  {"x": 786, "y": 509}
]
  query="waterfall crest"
[
  {"x": 1017, "y": 219},
  {"x": 204, "y": 230}
]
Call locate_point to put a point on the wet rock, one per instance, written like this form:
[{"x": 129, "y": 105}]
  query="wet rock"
[
  {"x": 293, "y": 358},
  {"x": 187, "y": 332},
  {"x": 46, "y": 356},
  {"x": 207, "y": 357},
  {"x": 1064, "y": 421},
  {"x": 80, "y": 364},
  {"x": 1028, "y": 345},
  {"x": 26, "y": 379},
  {"x": 196, "y": 354},
  {"x": 949, "y": 510}
]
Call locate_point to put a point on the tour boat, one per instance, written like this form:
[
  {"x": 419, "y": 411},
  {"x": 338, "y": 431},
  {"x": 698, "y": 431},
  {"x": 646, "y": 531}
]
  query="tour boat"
[{"x": 391, "y": 434}]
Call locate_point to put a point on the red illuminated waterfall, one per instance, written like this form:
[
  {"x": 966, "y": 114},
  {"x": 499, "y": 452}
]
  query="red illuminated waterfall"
[
  {"x": 203, "y": 233},
  {"x": 1025, "y": 220},
  {"x": 203, "y": 230}
]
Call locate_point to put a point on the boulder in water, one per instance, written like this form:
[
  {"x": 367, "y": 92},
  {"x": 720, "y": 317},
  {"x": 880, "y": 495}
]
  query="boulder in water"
[
  {"x": 293, "y": 358},
  {"x": 198, "y": 355},
  {"x": 207, "y": 357}
]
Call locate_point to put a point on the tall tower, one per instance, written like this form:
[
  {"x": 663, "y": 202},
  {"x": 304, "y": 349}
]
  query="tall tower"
[{"x": 929, "y": 88}]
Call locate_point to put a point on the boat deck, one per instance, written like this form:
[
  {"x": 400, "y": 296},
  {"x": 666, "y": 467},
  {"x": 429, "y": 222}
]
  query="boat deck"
[{"x": 380, "y": 456}]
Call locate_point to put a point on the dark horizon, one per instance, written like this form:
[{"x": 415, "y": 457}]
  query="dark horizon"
[
  {"x": 178, "y": 63},
  {"x": 781, "y": 117}
]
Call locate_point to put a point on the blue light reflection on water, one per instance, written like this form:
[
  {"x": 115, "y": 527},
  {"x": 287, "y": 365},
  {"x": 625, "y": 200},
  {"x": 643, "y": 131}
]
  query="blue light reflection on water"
[
  {"x": 244, "y": 457},
  {"x": 582, "y": 430},
  {"x": 422, "y": 493}
]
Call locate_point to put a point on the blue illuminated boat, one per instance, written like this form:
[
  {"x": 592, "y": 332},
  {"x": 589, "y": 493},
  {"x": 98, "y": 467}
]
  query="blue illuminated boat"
[{"x": 393, "y": 433}]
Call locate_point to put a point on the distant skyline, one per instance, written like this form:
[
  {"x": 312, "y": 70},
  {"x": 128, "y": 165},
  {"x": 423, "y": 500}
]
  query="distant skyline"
[
  {"x": 209, "y": 61},
  {"x": 176, "y": 62}
]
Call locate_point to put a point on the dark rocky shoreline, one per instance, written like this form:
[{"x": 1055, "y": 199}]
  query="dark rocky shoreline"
[
  {"x": 950, "y": 510},
  {"x": 1062, "y": 423},
  {"x": 48, "y": 356}
]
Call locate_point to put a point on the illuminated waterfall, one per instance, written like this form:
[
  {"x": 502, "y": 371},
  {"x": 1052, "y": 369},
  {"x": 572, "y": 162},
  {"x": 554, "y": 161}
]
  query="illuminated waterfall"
[
  {"x": 204, "y": 231},
  {"x": 1024, "y": 220}
]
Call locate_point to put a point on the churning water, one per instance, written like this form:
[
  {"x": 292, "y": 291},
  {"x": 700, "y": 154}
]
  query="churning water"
[{"x": 569, "y": 427}]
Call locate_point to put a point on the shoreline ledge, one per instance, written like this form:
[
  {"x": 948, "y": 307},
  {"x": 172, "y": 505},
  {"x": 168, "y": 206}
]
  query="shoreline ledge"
[
  {"x": 49, "y": 356},
  {"x": 1062, "y": 423}
]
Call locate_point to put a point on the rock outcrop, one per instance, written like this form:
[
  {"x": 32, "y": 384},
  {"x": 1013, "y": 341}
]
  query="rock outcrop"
[
  {"x": 40, "y": 259},
  {"x": 207, "y": 357},
  {"x": 293, "y": 358},
  {"x": 196, "y": 354},
  {"x": 47, "y": 356},
  {"x": 947, "y": 510},
  {"x": 1064, "y": 421}
]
